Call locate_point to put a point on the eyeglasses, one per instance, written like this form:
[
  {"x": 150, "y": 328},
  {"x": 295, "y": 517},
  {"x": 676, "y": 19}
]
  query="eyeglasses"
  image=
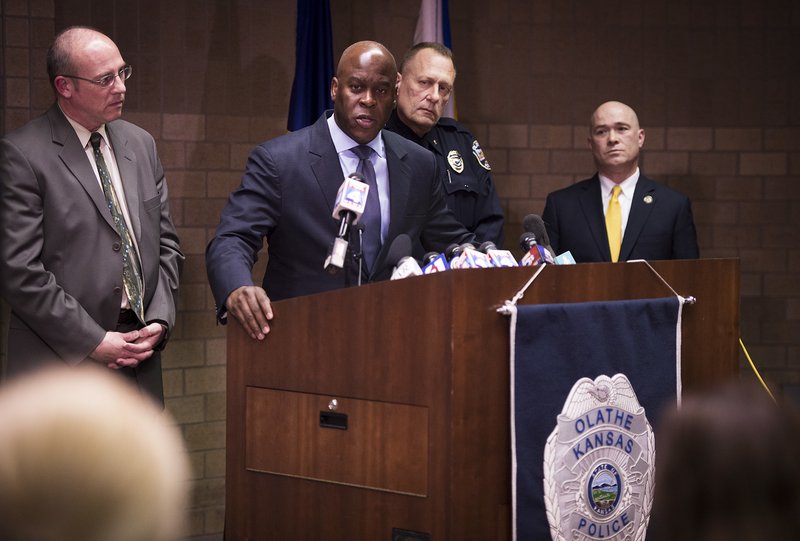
[{"x": 107, "y": 80}]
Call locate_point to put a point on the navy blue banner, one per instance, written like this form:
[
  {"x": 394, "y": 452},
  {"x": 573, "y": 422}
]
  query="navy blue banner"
[
  {"x": 555, "y": 345},
  {"x": 313, "y": 68}
]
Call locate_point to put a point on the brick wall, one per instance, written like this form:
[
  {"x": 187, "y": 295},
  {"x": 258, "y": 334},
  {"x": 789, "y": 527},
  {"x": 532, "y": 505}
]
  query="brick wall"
[
  {"x": 715, "y": 85},
  {"x": 744, "y": 188}
]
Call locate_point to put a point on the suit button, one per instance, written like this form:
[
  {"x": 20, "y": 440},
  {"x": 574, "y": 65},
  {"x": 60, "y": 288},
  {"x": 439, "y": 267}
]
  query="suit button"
[
  {"x": 116, "y": 246},
  {"x": 117, "y": 290}
]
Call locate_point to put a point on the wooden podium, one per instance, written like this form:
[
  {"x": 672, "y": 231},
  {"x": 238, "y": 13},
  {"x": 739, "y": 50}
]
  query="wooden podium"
[{"x": 382, "y": 412}]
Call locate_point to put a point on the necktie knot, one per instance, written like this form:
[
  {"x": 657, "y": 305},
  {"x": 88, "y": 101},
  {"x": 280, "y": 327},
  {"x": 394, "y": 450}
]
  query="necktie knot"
[
  {"x": 615, "y": 191},
  {"x": 363, "y": 152},
  {"x": 95, "y": 139}
]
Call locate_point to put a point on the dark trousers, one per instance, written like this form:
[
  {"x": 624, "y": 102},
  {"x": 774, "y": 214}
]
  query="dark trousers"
[{"x": 147, "y": 375}]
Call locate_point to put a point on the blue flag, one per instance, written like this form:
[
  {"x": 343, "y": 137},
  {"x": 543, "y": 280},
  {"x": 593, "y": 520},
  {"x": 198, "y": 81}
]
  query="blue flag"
[
  {"x": 313, "y": 69},
  {"x": 554, "y": 346}
]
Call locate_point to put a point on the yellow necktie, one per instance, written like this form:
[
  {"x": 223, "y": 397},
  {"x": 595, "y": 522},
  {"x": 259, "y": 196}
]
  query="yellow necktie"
[{"x": 614, "y": 224}]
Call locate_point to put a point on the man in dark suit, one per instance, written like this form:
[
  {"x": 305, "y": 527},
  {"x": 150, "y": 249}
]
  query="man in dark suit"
[
  {"x": 619, "y": 214},
  {"x": 288, "y": 190},
  {"x": 89, "y": 258}
]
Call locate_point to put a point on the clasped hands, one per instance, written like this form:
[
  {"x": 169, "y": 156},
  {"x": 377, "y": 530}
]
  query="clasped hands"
[{"x": 128, "y": 349}]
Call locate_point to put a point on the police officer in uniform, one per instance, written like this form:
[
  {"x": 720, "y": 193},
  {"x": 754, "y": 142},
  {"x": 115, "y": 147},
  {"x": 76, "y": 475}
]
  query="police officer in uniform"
[{"x": 425, "y": 86}]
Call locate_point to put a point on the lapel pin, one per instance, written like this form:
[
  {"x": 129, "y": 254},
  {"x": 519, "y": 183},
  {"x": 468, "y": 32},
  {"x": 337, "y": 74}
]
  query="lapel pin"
[{"x": 648, "y": 199}]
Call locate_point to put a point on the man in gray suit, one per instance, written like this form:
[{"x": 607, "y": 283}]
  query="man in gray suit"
[
  {"x": 89, "y": 257},
  {"x": 288, "y": 190}
]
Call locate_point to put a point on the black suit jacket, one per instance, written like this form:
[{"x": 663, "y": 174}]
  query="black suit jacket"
[
  {"x": 660, "y": 224},
  {"x": 287, "y": 195}
]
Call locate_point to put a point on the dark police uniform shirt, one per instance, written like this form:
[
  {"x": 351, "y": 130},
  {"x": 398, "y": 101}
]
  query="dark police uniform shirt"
[{"x": 466, "y": 176}]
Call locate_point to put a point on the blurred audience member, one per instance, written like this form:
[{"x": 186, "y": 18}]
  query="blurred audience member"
[
  {"x": 85, "y": 456},
  {"x": 728, "y": 469}
]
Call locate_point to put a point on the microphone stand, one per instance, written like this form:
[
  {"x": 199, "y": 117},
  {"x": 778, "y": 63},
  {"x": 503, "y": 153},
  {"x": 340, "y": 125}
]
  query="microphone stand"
[{"x": 359, "y": 254}]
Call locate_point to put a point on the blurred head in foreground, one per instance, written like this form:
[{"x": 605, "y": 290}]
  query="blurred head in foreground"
[
  {"x": 85, "y": 457},
  {"x": 728, "y": 468}
]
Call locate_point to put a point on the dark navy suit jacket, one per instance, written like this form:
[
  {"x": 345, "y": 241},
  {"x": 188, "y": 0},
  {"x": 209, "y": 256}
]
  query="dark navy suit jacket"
[
  {"x": 287, "y": 196},
  {"x": 660, "y": 224}
]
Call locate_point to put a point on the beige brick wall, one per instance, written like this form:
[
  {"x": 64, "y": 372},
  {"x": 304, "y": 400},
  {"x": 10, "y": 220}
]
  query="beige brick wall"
[{"x": 715, "y": 85}]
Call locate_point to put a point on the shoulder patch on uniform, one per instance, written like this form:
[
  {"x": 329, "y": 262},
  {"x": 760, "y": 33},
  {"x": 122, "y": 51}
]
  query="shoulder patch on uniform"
[
  {"x": 456, "y": 161},
  {"x": 478, "y": 152}
]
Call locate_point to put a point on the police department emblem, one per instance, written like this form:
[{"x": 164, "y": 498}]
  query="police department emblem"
[
  {"x": 478, "y": 152},
  {"x": 456, "y": 161},
  {"x": 599, "y": 464}
]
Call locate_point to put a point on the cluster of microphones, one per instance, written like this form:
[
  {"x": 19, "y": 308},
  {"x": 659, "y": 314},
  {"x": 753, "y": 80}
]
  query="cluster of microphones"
[
  {"x": 533, "y": 241},
  {"x": 349, "y": 206}
]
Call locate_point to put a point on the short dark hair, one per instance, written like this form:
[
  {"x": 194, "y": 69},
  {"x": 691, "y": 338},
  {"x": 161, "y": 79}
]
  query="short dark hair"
[{"x": 438, "y": 47}]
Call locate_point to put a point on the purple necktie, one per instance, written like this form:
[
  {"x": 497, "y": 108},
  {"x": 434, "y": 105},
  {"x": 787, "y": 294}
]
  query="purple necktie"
[{"x": 372, "y": 211}]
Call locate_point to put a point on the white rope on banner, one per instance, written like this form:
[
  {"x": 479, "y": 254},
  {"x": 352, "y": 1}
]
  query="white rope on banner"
[{"x": 509, "y": 305}]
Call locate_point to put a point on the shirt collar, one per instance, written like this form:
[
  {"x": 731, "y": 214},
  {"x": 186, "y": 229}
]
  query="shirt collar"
[
  {"x": 83, "y": 134},
  {"x": 627, "y": 186},
  {"x": 343, "y": 142}
]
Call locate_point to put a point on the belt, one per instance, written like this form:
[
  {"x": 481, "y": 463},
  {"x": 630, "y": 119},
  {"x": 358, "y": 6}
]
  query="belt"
[{"x": 127, "y": 317}]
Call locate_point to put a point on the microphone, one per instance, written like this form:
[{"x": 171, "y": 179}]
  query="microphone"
[
  {"x": 498, "y": 258},
  {"x": 533, "y": 223},
  {"x": 471, "y": 258},
  {"x": 434, "y": 262},
  {"x": 348, "y": 208},
  {"x": 429, "y": 257},
  {"x": 463, "y": 257},
  {"x": 399, "y": 255},
  {"x": 453, "y": 251},
  {"x": 536, "y": 254}
]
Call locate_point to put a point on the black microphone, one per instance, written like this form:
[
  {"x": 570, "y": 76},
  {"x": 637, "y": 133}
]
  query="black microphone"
[
  {"x": 486, "y": 246},
  {"x": 533, "y": 223},
  {"x": 348, "y": 208},
  {"x": 429, "y": 257},
  {"x": 399, "y": 256},
  {"x": 453, "y": 251}
]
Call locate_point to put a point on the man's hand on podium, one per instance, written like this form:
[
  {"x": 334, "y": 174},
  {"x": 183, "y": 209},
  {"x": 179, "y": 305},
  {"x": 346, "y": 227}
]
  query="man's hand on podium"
[{"x": 251, "y": 306}]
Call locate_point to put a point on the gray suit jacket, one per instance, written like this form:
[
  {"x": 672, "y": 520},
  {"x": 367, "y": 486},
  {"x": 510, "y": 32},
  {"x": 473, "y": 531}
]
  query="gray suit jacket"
[
  {"x": 660, "y": 225},
  {"x": 287, "y": 195},
  {"x": 60, "y": 258}
]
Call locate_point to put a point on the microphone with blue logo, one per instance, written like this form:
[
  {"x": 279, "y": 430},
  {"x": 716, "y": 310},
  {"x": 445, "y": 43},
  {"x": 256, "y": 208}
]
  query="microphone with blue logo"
[
  {"x": 348, "y": 208},
  {"x": 535, "y": 242},
  {"x": 433, "y": 262}
]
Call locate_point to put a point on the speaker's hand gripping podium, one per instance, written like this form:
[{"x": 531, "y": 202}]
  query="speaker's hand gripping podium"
[{"x": 382, "y": 412}]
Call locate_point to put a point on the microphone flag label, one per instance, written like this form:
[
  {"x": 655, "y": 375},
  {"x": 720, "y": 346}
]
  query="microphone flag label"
[
  {"x": 352, "y": 196},
  {"x": 599, "y": 464},
  {"x": 502, "y": 258},
  {"x": 477, "y": 260},
  {"x": 437, "y": 265},
  {"x": 537, "y": 255}
]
